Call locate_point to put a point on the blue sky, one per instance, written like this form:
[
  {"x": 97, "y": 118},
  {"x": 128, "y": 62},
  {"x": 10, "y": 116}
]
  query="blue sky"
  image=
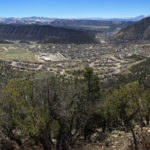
[{"x": 74, "y": 8}]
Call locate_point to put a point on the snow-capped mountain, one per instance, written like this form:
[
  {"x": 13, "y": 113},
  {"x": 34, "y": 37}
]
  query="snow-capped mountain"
[
  {"x": 46, "y": 20},
  {"x": 27, "y": 20}
]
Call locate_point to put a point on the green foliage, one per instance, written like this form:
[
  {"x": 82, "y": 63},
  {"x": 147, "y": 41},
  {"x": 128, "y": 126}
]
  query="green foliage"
[
  {"x": 27, "y": 117},
  {"x": 141, "y": 73},
  {"x": 68, "y": 109},
  {"x": 136, "y": 57},
  {"x": 124, "y": 104},
  {"x": 92, "y": 84}
]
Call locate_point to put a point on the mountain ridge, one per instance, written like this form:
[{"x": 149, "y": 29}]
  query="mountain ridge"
[
  {"x": 43, "y": 33},
  {"x": 136, "y": 32}
]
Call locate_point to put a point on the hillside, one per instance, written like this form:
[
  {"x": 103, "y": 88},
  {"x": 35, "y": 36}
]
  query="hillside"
[
  {"x": 136, "y": 32},
  {"x": 44, "y": 33}
]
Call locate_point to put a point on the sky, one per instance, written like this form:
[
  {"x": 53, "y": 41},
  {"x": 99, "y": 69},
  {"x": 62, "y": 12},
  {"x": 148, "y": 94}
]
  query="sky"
[{"x": 74, "y": 8}]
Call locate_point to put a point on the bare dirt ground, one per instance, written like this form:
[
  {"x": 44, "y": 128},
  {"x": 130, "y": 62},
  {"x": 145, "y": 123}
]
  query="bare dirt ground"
[
  {"x": 120, "y": 140},
  {"x": 117, "y": 140}
]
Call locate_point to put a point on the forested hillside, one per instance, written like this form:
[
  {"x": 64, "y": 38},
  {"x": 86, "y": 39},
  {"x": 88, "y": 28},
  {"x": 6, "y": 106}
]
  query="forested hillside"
[{"x": 63, "y": 113}]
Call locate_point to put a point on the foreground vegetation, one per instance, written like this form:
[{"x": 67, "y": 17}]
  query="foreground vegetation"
[{"x": 63, "y": 114}]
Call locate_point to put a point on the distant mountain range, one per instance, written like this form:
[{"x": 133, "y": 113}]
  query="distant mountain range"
[
  {"x": 136, "y": 32},
  {"x": 44, "y": 20},
  {"x": 55, "y": 30},
  {"x": 133, "y": 19},
  {"x": 28, "y": 20}
]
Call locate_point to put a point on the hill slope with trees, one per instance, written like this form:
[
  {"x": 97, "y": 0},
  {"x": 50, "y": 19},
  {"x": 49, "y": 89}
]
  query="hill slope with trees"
[{"x": 136, "y": 32}]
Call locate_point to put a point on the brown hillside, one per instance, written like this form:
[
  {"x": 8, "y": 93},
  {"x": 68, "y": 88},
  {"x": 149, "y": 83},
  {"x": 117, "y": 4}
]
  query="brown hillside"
[{"x": 136, "y": 32}]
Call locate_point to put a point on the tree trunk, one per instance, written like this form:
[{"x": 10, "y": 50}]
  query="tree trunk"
[
  {"x": 14, "y": 138},
  {"x": 104, "y": 126},
  {"x": 45, "y": 141},
  {"x": 147, "y": 119},
  {"x": 134, "y": 139},
  {"x": 62, "y": 141},
  {"x": 87, "y": 133}
]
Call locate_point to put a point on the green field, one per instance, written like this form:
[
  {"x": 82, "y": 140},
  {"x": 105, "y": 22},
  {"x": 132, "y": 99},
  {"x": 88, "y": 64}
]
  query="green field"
[
  {"x": 107, "y": 55},
  {"x": 17, "y": 54}
]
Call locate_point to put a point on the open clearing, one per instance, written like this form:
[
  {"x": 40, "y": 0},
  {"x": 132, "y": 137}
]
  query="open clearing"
[{"x": 17, "y": 54}]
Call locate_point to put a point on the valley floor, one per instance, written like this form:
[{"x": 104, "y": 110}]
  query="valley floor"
[{"x": 69, "y": 59}]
